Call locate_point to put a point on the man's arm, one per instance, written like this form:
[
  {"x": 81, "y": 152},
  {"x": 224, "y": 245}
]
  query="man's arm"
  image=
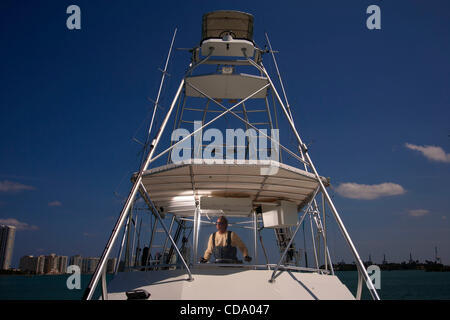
[
  {"x": 209, "y": 249},
  {"x": 237, "y": 242}
]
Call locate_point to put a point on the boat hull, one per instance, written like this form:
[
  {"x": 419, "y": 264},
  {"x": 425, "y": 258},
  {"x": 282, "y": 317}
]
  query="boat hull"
[{"x": 229, "y": 284}]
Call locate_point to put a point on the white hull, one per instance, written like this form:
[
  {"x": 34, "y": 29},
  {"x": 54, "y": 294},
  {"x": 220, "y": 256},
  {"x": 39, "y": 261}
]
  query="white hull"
[{"x": 229, "y": 284}]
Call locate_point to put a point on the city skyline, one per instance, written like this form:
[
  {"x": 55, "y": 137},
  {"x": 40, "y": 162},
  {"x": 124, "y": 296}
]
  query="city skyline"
[
  {"x": 79, "y": 260},
  {"x": 373, "y": 106},
  {"x": 53, "y": 264}
]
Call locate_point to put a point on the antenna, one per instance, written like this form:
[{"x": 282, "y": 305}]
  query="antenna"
[
  {"x": 156, "y": 102},
  {"x": 279, "y": 75},
  {"x": 436, "y": 257}
]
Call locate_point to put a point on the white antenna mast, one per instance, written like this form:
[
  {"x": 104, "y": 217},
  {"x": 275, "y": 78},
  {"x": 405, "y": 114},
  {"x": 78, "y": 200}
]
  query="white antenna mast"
[{"x": 163, "y": 77}]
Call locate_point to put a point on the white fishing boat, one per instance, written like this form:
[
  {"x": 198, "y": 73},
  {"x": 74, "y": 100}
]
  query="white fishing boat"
[{"x": 257, "y": 187}]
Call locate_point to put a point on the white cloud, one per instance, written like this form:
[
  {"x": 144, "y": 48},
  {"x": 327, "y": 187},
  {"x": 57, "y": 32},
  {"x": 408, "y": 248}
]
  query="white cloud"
[
  {"x": 418, "y": 212},
  {"x": 9, "y": 186},
  {"x": 19, "y": 225},
  {"x": 55, "y": 204},
  {"x": 369, "y": 192},
  {"x": 433, "y": 153}
]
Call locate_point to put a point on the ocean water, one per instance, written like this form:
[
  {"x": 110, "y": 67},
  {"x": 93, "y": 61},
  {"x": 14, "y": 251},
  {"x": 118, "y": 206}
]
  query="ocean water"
[
  {"x": 395, "y": 285},
  {"x": 42, "y": 287},
  {"x": 404, "y": 285}
]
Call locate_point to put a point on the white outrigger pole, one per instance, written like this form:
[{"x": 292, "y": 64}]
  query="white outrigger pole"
[
  {"x": 123, "y": 214},
  {"x": 138, "y": 184},
  {"x": 100, "y": 270},
  {"x": 304, "y": 151}
]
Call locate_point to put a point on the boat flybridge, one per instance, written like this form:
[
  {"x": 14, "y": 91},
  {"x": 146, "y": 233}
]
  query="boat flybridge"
[{"x": 253, "y": 183}]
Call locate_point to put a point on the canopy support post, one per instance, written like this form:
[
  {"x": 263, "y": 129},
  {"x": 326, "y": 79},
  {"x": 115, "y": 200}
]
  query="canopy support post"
[
  {"x": 104, "y": 287},
  {"x": 150, "y": 245},
  {"x": 255, "y": 226},
  {"x": 195, "y": 235},
  {"x": 359, "y": 288},
  {"x": 313, "y": 241},
  {"x": 167, "y": 238},
  {"x": 116, "y": 268}
]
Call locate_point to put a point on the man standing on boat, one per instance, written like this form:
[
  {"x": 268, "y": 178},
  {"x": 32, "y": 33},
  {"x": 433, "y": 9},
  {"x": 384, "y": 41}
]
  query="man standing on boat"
[{"x": 223, "y": 245}]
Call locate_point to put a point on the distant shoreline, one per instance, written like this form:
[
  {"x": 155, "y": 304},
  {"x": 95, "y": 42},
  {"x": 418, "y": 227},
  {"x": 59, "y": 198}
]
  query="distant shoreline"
[
  {"x": 23, "y": 273},
  {"x": 428, "y": 266}
]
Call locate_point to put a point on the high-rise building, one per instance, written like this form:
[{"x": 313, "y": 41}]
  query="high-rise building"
[
  {"x": 77, "y": 260},
  {"x": 89, "y": 265},
  {"x": 51, "y": 264},
  {"x": 7, "y": 237},
  {"x": 28, "y": 264},
  {"x": 40, "y": 264},
  {"x": 32, "y": 264},
  {"x": 62, "y": 264},
  {"x": 111, "y": 265}
]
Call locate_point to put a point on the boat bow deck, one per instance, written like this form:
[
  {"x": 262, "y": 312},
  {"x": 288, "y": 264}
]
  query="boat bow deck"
[{"x": 229, "y": 284}]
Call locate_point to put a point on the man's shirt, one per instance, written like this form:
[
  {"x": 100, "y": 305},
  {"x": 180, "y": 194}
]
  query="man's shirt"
[{"x": 221, "y": 240}]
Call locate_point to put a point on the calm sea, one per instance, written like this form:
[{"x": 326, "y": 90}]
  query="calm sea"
[{"x": 404, "y": 285}]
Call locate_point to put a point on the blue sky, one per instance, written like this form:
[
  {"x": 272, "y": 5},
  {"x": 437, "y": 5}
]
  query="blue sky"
[{"x": 370, "y": 103}]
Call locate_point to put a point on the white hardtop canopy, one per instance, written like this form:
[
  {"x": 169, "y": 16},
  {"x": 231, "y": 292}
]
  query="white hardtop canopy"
[
  {"x": 217, "y": 23},
  {"x": 177, "y": 188}
]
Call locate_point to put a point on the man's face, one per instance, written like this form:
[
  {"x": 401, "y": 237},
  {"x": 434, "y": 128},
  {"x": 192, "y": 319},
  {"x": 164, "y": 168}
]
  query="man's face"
[{"x": 221, "y": 225}]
